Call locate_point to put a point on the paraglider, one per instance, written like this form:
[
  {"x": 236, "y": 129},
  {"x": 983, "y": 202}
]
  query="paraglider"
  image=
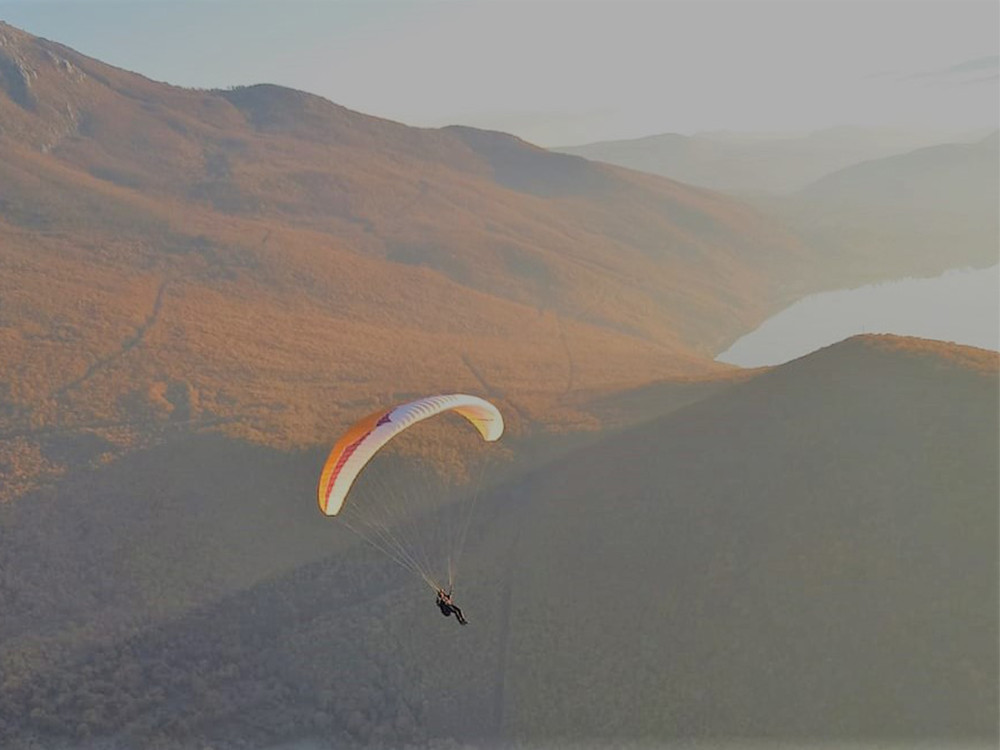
[
  {"x": 391, "y": 529},
  {"x": 448, "y": 607}
]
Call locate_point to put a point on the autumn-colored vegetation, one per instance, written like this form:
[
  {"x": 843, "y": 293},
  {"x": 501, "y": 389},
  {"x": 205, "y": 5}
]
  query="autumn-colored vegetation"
[{"x": 266, "y": 263}]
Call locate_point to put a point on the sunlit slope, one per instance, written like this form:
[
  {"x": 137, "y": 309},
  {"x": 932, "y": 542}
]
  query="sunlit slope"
[
  {"x": 809, "y": 555},
  {"x": 266, "y": 261}
]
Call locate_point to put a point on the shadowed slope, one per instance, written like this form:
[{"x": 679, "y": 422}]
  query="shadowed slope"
[{"x": 807, "y": 556}]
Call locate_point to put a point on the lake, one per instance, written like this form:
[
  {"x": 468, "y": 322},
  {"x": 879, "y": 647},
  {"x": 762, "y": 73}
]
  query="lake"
[{"x": 962, "y": 306}]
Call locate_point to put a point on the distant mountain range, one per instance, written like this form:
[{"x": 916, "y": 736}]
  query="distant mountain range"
[
  {"x": 926, "y": 210},
  {"x": 751, "y": 164},
  {"x": 872, "y": 204},
  {"x": 809, "y": 555}
]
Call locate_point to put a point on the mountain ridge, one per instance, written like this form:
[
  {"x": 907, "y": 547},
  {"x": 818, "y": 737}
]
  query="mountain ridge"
[
  {"x": 232, "y": 259},
  {"x": 756, "y": 163}
]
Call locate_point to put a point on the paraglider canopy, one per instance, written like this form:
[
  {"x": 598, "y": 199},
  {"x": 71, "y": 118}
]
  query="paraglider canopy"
[{"x": 365, "y": 438}]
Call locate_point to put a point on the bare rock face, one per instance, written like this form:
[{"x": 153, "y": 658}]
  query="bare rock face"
[
  {"x": 49, "y": 91},
  {"x": 15, "y": 73}
]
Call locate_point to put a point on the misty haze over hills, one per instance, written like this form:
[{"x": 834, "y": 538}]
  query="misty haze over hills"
[
  {"x": 753, "y": 163},
  {"x": 929, "y": 210},
  {"x": 201, "y": 289},
  {"x": 871, "y": 205}
]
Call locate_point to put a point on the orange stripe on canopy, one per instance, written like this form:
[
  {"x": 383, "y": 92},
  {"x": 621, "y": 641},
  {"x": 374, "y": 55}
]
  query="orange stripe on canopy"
[{"x": 342, "y": 450}]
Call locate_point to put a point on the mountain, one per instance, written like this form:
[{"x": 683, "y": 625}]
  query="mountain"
[
  {"x": 755, "y": 163},
  {"x": 262, "y": 262},
  {"x": 806, "y": 556},
  {"x": 927, "y": 211},
  {"x": 200, "y": 289}
]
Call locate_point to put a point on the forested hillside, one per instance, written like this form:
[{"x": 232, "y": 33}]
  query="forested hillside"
[
  {"x": 262, "y": 262},
  {"x": 809, "y": 554}
]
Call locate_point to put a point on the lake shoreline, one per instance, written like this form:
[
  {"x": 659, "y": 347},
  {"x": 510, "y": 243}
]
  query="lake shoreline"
[{"x": 959, "y": 306}]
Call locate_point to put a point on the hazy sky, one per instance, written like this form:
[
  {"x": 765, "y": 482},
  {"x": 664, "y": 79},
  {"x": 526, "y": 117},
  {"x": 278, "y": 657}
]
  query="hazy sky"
[{"x": 561, "y": 72}]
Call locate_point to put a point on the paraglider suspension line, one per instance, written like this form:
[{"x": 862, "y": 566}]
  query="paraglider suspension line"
[{"x": 453, "y": 563}]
